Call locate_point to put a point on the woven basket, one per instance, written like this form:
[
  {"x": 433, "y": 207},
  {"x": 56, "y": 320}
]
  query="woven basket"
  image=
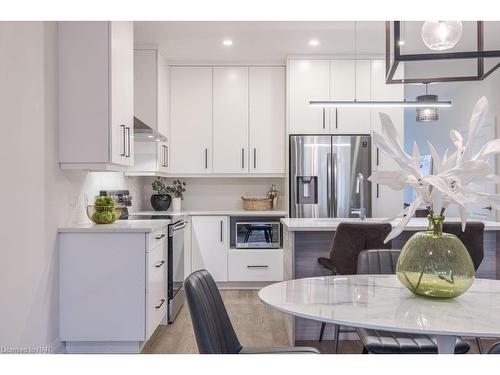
[{"x": 257, "y": 204}]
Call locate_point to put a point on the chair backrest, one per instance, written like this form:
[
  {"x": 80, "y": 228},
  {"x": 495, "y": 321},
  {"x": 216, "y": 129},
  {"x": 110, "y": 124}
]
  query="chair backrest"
[
  {"x": 212, "y": 326},
  {"x": 472, "y": 239},
  {"x": 352, "y": 238},
  {"x": 378, "y": 262}
]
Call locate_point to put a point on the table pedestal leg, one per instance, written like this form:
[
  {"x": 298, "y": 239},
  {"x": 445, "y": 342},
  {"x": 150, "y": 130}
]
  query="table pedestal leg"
[{"x": 446, "y": 344}]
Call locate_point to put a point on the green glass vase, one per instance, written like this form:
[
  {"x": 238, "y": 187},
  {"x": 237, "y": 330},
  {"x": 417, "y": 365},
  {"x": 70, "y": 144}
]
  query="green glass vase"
[{"x": 435, "y": 264}]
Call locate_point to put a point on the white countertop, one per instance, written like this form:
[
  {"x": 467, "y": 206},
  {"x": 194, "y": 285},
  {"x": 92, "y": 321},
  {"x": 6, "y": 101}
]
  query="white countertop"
[
  {"x": 213, "y": 213},
  {"x": 330, "y": 224},
  {"x": 140, "y": 226},
  {"x": 381, "y": 302}
]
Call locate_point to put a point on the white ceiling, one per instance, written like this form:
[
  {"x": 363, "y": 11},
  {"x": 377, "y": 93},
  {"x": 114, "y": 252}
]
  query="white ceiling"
[{"x": 258, "y": 42}]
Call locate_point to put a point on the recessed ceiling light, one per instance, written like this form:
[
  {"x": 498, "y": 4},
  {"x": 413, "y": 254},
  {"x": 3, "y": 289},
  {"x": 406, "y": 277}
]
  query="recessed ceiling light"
[
  {"x": 227, "y": 42},
  {"x": 313, "y": 42}
]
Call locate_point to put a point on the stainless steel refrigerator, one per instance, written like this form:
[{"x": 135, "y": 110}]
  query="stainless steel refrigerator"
[{"x": 328, "y": 175}]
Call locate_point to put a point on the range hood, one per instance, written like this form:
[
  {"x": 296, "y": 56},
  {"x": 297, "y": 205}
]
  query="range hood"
[{"x": 142, "y": 132}]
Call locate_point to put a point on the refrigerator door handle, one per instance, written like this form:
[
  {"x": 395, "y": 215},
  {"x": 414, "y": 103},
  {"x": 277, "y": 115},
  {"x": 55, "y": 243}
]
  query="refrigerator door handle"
[
  {"x": 328, "y": 185},
  {"x": 334, "y": 187}
]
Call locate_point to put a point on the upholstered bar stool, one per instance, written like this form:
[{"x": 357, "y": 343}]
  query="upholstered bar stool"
[{"x": 349, "y": 240}]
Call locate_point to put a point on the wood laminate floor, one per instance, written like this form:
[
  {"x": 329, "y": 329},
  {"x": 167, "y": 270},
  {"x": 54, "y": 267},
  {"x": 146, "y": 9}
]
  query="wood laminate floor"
[{"x": 255, "y": 325}]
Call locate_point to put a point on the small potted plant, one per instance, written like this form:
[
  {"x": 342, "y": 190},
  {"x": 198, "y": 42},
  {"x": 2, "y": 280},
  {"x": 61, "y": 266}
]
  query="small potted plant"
[
  {"x": 176, "y": 190},
  {"x": 162, "y": 199}
]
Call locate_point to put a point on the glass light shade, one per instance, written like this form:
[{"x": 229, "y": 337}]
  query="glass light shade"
[{"x": 441, "y": 35}]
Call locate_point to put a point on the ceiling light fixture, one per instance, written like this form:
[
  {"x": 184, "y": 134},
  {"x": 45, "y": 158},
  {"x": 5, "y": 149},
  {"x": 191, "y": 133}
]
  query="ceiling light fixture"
[
  {"x": 314, "y": 42},
  {"x": 441, "y": 35},
  {"x": 227, "y": 42},
  {"x": 429, "y": 113}
]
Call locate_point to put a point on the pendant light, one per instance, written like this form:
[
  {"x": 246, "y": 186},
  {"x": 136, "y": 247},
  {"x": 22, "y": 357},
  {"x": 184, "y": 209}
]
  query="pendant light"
[
  {"x": 441, "y": 35},
  {"x": 430, "y": 112}
]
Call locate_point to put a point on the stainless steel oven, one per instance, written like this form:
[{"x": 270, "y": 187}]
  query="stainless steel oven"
[{"x": 256, "y": 232}]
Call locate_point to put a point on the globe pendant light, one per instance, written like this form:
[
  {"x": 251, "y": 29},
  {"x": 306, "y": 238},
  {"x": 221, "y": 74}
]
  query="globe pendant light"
[{"x": 441, "y": 35}]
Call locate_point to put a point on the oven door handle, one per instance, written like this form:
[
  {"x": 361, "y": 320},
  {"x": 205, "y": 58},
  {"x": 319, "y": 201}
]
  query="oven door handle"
[{"x": 177, "y": 226}]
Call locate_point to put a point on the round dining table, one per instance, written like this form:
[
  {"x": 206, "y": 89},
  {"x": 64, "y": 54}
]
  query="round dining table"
[{"x": 380, "y": 302}]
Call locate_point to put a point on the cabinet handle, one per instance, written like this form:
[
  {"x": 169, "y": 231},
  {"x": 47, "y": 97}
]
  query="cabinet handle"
[
  {"x": 206, "y": 158},
  {"x": 254, "y": 158},
  {"x": 221, "y": 239},
  {"x": 378, "y": 153},
  {"x": 254, "y": 267},
  {"x": 323, "y": 118},
  {"x": 160, "y": 237},
  {"x": 161, "y": 304},
  {"x": 166, "y": 156},
  {"x": 378, "y": 191},
  {"x": 336, "y": 118},
  {"x": 124, "y": 141},
  {"x": 242, "y": 158},
  {"x": 159, "y": 264},
  {"x": 128, "y": 138}
]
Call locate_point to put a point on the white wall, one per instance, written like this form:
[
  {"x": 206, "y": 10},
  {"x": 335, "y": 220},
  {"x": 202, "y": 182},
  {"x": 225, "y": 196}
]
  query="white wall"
[
  {"x": 37, "y": 197},
  {"x": 220, "y": 193},
  {"x": 464, "y": 96}
]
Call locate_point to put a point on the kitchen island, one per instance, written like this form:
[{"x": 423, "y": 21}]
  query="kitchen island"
[{"x": 307, "y": 239}]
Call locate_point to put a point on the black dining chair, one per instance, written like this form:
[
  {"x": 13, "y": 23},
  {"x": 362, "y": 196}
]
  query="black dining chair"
[
  {"x": 495, "y": 349},
  {"x": 383, "y": 262},
  {"x": 212, "y": 327},
  {"x": 349, "y": 240}
]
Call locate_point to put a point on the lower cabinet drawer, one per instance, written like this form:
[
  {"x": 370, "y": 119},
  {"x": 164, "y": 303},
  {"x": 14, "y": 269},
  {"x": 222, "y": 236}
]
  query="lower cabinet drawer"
[
  {"x": 255, "y": 265},
  {"x": 156, "y": 297}
]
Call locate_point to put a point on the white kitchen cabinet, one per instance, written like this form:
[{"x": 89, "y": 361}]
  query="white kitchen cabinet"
[
  {"x": 230, "y": 120},
  {"x": 151, "y": 90},
  {"x": 190, "y": 120},
  {"x": 210, "y": 245},
  {"x": 255, "y": 265},
  {"x": 267, "y": 119},
  {"x": 385, "y": 201},
  {"x": 96, "y": 91},
  {"x": 308, "y": 80},
  {"x": 112, "y": 289},
  {"x": 151, "y": 159},
  {"x": 350, "y": 80}
]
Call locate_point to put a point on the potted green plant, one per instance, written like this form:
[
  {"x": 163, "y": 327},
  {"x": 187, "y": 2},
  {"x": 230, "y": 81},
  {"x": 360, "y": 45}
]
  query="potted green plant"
[
  {"x": 162, "y": 199},
  {"x": 176, "y": 190}
]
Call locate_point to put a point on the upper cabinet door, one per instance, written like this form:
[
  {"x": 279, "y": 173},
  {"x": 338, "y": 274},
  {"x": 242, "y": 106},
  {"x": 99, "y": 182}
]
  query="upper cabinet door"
[
  {"x": 350, "y": 80},
  {"x": 163, "y": 98},
  {"x": 190, "y": 120},
  {"x": 230, "y": 114},
  {"x": 122, "y": 92},
  {"x": 267, "y": 119},
  {"x": 309, "y": 80}
]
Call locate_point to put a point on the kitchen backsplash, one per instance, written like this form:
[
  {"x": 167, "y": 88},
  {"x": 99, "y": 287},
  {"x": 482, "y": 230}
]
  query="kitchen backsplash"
[{"x": 219, "y": 193}]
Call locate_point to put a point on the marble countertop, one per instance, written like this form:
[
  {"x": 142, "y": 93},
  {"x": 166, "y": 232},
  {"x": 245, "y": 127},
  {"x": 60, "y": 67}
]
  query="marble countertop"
[
  {"x": 330, "y": 224},
  {"x": 381, "y": 302},
  {"x": 212, "y": 213},
  {"x": 140, "y": 226}
]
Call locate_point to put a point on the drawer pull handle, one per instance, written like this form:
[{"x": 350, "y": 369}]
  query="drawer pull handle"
[
  {"x": 161, "y": 304},
  {"x": 159, "y": 264},
  {"x": 160, "y": 237},
  {"x": 257, "y": 266}
]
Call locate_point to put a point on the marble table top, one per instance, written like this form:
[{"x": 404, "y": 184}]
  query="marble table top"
[{"x": 381, "y": 302}]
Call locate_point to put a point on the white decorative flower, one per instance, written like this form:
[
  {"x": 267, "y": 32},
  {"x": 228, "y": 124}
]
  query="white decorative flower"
[{"x": 453, "y": 173}]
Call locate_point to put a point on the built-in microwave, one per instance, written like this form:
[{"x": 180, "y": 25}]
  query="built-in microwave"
[{"x": 256, "y": 232}]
